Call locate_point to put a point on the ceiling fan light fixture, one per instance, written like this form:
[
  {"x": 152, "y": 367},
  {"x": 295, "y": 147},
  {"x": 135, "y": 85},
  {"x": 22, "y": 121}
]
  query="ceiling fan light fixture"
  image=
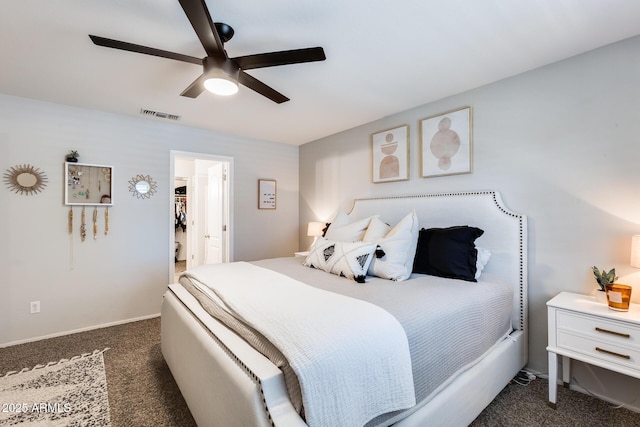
[
  {"x": 221, "y": 76},
  {"x": 221, "y": 85}
]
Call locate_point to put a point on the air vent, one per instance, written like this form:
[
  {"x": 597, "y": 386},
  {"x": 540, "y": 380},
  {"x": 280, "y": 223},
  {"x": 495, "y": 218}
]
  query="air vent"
[{"x": 159, "y": 114}]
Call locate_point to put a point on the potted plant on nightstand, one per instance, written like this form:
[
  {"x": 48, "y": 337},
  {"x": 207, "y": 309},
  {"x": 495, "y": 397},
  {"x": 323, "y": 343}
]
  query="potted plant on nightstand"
[{"x": 603, "y": 278}]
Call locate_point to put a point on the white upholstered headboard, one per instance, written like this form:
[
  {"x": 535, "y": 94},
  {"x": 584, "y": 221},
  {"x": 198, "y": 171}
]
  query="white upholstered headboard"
[{"x": 505, "y": 232}]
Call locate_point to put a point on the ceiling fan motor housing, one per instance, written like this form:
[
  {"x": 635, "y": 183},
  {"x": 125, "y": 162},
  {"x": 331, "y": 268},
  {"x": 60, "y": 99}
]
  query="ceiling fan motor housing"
[{"x": 213, "y": 65}]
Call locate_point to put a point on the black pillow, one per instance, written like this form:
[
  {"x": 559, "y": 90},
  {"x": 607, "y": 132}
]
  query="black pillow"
[{"x": 447, "y": 252}]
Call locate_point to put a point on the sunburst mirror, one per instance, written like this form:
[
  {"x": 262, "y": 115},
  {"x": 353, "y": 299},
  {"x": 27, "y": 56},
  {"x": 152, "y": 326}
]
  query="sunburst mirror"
[
  {"x": 142, "y": 186},
  {"x": 25, "y": 179}
]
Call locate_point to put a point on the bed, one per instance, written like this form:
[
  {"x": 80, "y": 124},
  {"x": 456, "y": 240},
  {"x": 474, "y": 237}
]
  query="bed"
[{"x": 226, "y": 381}]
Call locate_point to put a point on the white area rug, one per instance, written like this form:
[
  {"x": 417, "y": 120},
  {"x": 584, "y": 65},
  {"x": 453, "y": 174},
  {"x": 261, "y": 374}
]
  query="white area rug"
[{"x": 71, "y": 392}]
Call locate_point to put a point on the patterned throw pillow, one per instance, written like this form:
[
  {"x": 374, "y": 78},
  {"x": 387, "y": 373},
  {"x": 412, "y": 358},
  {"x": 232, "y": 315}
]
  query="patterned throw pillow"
[{"x": 346, "y": 259}]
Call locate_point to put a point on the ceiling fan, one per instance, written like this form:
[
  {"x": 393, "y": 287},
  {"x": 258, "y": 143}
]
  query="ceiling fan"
[{"x": 221, "y": 74}]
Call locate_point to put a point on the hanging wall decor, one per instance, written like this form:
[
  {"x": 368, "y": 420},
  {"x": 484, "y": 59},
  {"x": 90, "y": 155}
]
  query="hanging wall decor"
[
  {"x": 88, "y": 184},
  {"x": 25, "y": 179},
  {"x": 71, "y": 220},
  {"x": 142, "y": 186},
  {"x": 106, "y": 221},
  {"x": 95, "y": 223},
  {"x": 83, "y": 226},
  {"x": 267, "y": 194}
]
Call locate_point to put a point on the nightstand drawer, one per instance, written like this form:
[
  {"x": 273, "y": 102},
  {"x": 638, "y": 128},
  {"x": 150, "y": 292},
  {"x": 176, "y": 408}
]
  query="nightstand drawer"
[
  {"x": 601, "y": 350},
  {"x": 599, "y": 329}
]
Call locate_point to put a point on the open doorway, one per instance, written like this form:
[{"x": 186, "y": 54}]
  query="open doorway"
[{"x": 201, "y": 200}]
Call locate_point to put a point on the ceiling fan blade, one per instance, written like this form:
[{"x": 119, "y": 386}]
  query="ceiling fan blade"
[
  {"x": 272, "y": 59},
  {"x": 195, "y": 88},
  {"x": 256, "y": 85},
  {"x": 198, "y": 14},
  {"x": 115, "y": 44}
]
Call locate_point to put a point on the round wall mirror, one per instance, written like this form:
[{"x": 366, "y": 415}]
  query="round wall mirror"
[
  {"x": 142, "y": 186},
  {"x": 25, "y": 179}
]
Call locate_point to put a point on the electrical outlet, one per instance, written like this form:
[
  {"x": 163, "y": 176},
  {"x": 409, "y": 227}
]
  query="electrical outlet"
[{"x": 35, "y": 307}]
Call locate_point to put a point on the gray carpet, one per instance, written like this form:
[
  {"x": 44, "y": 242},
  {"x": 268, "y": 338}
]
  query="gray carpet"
[
  {"x": 527, "y": 406},
  {"x": 142, "y": 391}
]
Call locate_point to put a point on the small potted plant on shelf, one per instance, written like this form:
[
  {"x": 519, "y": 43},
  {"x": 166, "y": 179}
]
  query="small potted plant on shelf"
[
  {"x": 72, "y": 156},
  {"x": 603, "y": 278}
]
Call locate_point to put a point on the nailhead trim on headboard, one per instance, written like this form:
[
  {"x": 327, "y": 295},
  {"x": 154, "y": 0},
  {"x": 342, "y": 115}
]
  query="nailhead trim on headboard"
[
  {"x": 238, "y": 361},
  {"x": 498, "y": 203}
]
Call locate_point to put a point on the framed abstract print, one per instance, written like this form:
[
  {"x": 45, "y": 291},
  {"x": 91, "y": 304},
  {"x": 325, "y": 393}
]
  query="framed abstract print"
[
  {"x": 390, "y": 155},
  {"x": 445, "y": 143}
]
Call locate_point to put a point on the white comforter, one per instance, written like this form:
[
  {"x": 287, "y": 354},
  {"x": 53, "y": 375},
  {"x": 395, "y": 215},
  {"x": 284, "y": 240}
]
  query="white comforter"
[{"x": 351, "y": 357}]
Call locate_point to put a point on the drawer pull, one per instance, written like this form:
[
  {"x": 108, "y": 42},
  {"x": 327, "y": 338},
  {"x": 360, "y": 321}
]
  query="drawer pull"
[
  {"x": 602, "y": 350},
  {"x": 620, "y": 334}
]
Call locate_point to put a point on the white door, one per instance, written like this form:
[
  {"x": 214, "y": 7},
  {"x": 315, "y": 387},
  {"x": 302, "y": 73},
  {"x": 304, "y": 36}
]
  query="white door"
[
  {"x": 218, "y": 247},
  {"x": 192, "y": 221},
  {"x": 215, "y": 223}
]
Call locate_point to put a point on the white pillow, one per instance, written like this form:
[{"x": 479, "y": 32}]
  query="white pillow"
[
  {"x": 343, "y": 230},
  {"x": 340, "y": 219},
  {"x": 376, "y": 230},
  {"x": 481, "y": 260},
  {"x": 347, "y": 259},
  {"x": 399, "y": 247}
]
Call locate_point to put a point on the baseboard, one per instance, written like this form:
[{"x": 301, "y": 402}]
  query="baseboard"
[{"x": 75, "y": 331}]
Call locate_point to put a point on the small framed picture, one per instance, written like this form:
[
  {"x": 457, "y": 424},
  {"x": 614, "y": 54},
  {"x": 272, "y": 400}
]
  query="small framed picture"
[
  {"x": 445, "y": 143},
  {"x": 266, "y": 194},
  {"x": 390, "y": 155}
]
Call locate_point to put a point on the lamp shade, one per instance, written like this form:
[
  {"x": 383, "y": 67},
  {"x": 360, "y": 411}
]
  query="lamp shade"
[
  {"x": 315, "y": 229},
  {"x": 635, "y": 251}
]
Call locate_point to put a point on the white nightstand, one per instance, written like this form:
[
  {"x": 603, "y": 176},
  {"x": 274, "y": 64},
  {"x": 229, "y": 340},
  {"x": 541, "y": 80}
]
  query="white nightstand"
[{"x": 581, "y": 328}]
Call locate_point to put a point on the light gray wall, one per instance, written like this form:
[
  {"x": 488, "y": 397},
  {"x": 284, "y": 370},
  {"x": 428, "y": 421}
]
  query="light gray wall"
[
  {"x": 123, "y": 275},
  {"x": 561, "y": 145}
]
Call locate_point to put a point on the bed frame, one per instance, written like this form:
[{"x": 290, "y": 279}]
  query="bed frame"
[{"x": 226, "y": 382}]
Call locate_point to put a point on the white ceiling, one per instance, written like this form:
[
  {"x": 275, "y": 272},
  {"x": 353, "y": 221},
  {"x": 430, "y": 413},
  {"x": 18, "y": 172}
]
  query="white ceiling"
[{"x": 382, "y": 56}]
